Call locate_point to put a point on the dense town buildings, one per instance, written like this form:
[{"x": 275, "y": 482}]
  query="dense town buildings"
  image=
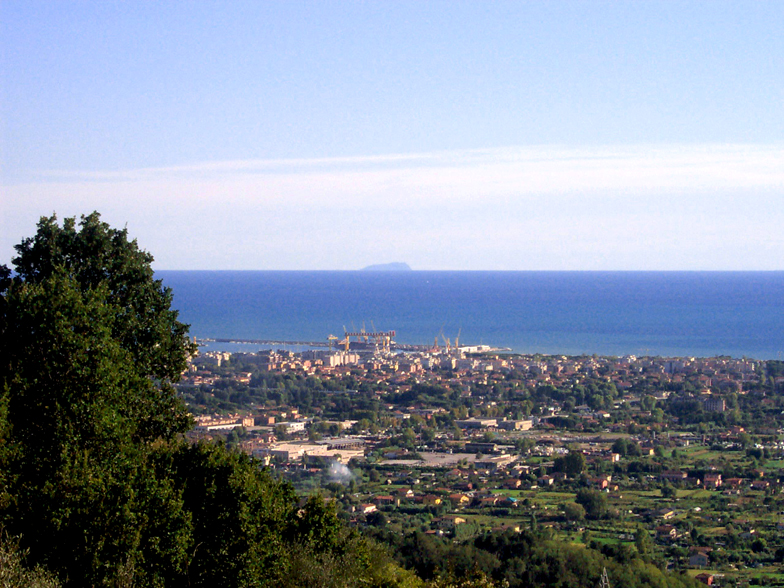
[{"x": 467, "y": 441}]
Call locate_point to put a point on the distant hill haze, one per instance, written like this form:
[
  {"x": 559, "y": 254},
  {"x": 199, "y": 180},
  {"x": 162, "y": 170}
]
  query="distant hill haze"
[{"x": 388, "y": 267}]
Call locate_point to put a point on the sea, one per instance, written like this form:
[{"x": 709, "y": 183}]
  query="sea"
[{"x": 668, "y": 314}]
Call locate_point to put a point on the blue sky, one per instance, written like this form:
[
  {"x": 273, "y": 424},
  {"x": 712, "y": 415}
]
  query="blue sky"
[{"x": 450, "y": 135}]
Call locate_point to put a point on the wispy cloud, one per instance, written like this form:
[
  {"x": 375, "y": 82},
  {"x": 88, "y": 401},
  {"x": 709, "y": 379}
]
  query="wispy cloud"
[
  {"x": 548, "y": 168},
  {"x": 589, "y": 208}
]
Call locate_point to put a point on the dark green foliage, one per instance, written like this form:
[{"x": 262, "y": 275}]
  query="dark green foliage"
[
  {"x": 96, "y": 256},
  {"x": 593, "y": 501},
  {"x": 95, "y": 478},
  {"x": 79, "y": 415},
  {"x": 626, "y": 447},
  {"x": 574, "y": 511},
  {"x": 431, "y": 557},
  {"x": 529, "y": 558},
  {"x": 235, "y": 514},
  {"x": 643, "y": 541},
  {"x": 88, "y": 346},
  {"x": 572, "y": 464}
]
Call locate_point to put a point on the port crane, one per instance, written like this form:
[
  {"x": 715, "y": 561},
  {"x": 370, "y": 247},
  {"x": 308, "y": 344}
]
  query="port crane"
[
  {"x": 382, "y": 340},
  {"x": 448, "y": 342}
]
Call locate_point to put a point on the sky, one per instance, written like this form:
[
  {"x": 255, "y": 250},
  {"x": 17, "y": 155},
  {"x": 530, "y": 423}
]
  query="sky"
[{"x": 455, "y": 135}]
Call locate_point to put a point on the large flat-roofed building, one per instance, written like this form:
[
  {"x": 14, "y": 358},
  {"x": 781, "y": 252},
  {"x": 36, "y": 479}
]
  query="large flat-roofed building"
[
  {"x": 516, "y": 425},
  {"x": 341, "y": 450},
  {"x": 343, "y": 443},
  {"x": 495, "y": 461},
  {"x": 292, "y": 426},
  {"x": 475, "y": 423}
]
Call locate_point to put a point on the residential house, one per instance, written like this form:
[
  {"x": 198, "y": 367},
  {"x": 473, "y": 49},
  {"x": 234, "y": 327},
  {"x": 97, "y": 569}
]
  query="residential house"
[{"x": 699, "y": 559}]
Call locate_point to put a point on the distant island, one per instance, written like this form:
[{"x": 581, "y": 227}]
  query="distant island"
[{"x": 388, "y": 267}]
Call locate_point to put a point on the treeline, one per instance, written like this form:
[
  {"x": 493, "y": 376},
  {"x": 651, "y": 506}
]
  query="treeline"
[{"x": 528, "y": 558}]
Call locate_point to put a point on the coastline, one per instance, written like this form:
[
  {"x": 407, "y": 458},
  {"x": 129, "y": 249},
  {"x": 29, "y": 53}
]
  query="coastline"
[{"x": 673, "y": 314}]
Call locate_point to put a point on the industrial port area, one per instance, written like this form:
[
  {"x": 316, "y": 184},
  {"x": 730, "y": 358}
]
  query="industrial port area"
[{"x": 363, "y": 341}]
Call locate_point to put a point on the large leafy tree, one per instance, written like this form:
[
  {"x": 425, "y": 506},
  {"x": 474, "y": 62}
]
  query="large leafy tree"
[
  {"x": 89, "y": 348},
  {"x": 96, "y": 479},
  {"x": 90, "y": 344},
  {"x": 94, "y": 255},
  {"x": 92, "y": 286}
]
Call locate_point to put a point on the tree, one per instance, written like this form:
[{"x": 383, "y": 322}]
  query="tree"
[
  {"x": 643, "y": 541},
  {"x": 96, "y": 256},
  {"x": 238, "y": 516},
  {"x": 376, "y": 519},
  {"x": 95, "y": 477},
  {"x": 89, "y": 347},
  {"x": 84, "y": 309},
  {"x": 620, "y": 446},
  {"x": 572, "y": 463},
  {"x": 573, "y": 511},
  {"x": 593, "y": 501},
  {"x": 648, "y": 402}
]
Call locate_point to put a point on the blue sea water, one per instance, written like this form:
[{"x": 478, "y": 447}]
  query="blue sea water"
[{"x": 607, "y": 313}]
